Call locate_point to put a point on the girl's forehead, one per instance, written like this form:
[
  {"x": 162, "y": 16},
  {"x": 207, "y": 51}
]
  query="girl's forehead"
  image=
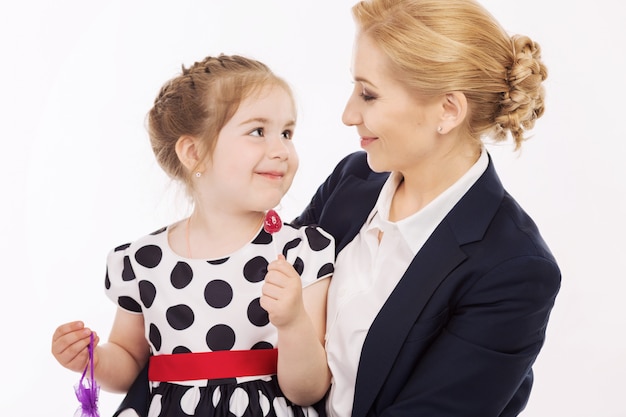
[{"x": 270, "y": 102}]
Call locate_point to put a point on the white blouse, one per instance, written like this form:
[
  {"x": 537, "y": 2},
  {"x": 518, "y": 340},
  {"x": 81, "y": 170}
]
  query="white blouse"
[{"x": 367, "y": 271}]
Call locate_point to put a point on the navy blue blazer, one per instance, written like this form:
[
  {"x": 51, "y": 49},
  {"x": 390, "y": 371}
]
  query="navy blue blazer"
[{"x": 461, "y": 330}]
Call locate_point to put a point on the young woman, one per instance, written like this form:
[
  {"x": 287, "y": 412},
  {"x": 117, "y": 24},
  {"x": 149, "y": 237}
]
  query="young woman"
[{"x": 443, "y": 285}]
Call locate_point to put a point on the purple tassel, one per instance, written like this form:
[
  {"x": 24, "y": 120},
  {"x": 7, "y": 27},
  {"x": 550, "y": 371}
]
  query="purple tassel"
[{"x": 87, "y": 390}]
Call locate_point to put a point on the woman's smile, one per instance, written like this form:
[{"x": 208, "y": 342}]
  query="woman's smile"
[{"x": 367, "y": 140}]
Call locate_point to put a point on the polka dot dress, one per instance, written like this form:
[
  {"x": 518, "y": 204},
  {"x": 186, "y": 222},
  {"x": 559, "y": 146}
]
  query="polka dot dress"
[{"x": 204, "y": 305}]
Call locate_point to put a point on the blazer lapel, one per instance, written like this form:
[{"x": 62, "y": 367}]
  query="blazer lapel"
[
  {"x": 438, "y": 257},
  {"x": 344, "y": 220},
  {"x": 386, "y": 336}
]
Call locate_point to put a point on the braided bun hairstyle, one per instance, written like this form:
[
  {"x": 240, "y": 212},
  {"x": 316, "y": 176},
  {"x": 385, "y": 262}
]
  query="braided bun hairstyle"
[
  {"x": 456, "y": 45},
  {"x": 199, "y": 102}
]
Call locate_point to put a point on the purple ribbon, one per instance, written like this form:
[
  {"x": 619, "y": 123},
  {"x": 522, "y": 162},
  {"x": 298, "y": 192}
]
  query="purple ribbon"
[{"x": 87, "y": 390}]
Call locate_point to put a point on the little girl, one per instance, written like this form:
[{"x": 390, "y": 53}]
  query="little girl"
[{"x": 230, "y": 317}]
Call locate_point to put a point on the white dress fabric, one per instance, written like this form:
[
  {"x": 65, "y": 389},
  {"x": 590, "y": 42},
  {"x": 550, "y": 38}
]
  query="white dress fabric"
[{"x": 204, "y": 305}]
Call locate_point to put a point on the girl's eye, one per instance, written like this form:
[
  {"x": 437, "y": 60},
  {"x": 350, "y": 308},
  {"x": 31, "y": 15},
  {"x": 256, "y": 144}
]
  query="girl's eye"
[
  {"x": 287, "y": 134},
  {"x": 257, "y": 132}
]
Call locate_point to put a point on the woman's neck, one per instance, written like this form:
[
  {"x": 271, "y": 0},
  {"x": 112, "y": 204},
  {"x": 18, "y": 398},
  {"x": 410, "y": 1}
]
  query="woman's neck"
[{"x": 427, "y": 180}]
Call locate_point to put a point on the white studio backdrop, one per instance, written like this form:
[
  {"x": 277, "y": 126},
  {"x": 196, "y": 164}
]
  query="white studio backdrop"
[{"x": 78, "y": 176}]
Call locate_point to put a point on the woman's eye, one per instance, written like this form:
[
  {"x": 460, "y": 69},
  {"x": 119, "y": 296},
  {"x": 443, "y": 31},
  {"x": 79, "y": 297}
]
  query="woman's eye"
[
  {"x": 257, "y": 132},
  {"x": 366, "y": 96},
  {"x": 287, "y": 134}
]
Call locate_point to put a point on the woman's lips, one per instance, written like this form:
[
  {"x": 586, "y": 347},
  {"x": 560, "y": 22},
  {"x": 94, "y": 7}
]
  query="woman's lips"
[{"x": 366, "y": 140}]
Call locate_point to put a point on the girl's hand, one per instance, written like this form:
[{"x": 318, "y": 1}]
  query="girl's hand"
[
  {"x": 282, "y": 293},
  {"x": 69, "y": 345}
]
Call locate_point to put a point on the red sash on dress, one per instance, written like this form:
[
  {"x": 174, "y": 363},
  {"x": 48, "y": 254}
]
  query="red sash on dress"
[{"x": 212, "y": 365}]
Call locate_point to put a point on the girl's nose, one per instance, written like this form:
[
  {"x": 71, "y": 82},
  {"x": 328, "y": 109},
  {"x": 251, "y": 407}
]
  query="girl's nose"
[{"x": 277, "y": 148}]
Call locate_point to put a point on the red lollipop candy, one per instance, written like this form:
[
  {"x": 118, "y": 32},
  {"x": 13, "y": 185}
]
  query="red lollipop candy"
[{"x": 272, "y": 222}]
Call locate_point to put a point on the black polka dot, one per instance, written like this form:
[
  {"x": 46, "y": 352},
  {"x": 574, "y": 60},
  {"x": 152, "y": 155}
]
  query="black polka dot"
[
  {"x": 127, "y": 273},
  {"x": 181, "y": 275},
  {"x": 129, "y": 304},
  {"x": 147, "y": 293},
  {"x": 263, "y": 345},
  {"x": 218, "y": 293},
  {"x": 220, "y": 337},
  {"x": 107, "y": 280},
  {"x": 291, "y": 245},
  {"x": 179, "y": 317},
  {"x": 155, "y": 336},
  {"x": 181, "y": 349},
  {"x": 317, "y": 241},
  {"x": 326, "y": 269},
  {"x": 255, "y": 269},
  {"x": 298, "y": 265},
  {"x": 149, "y": 256},
  {"x": 256, "y": 314},
  {"x": 218, "y": 261},
  {"x": 121, "y": 247},
  {"x": 263, "y": 238},
  {"x": 159, "y": 231}
]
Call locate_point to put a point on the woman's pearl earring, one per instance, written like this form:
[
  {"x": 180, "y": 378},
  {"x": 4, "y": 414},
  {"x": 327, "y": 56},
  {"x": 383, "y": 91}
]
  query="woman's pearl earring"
[
  {"x": 439, "y": 129},
  {"x": 198, "y": 174}
]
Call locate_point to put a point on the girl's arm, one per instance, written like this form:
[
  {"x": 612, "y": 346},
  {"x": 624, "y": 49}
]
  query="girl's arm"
[
  {"x": 117, "y": 362},
  {"x": 300, "y": 317},
  {"x": 125, "y": 353}
]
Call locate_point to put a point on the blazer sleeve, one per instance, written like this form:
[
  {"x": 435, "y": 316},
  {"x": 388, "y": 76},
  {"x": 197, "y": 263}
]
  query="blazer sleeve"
[
  {"x": 480, "y": 363},
  {"x": 354, "y": 164}
]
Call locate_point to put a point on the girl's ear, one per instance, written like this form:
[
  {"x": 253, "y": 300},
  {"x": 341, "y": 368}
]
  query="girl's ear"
[
  {"x": 188, "y": 152},
  {"x": 454, "y": 111}
]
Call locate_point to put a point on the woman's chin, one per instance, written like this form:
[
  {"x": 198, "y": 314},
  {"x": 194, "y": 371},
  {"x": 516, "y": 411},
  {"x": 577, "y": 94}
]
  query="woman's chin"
[{"x": 376, "y": 164}]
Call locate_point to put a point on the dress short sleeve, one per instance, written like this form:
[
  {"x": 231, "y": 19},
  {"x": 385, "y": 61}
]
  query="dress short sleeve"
[
  {"x": 120, "y": 283},
  {"x": 312, "y": 254}
]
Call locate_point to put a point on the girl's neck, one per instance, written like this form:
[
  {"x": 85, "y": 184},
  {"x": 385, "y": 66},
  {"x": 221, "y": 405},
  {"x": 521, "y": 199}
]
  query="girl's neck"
[{"x": 213, "y": 236}]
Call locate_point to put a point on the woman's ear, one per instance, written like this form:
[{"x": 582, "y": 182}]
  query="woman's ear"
[
  {"x": 454, "y": 111},
  {"x": 188, "y": 152}
]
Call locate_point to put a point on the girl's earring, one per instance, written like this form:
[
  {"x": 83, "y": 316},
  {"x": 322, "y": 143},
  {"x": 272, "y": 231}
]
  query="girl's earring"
[
  {"x": 198, "y": 174},
  {"x": 439, "y": 129}
]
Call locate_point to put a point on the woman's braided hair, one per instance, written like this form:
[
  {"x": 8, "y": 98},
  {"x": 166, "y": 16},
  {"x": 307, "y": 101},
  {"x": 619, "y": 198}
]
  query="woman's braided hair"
[{"x": 456, "y": 45}]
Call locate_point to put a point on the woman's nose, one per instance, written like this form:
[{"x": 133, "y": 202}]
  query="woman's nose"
[{"x": 350, "y": 116}]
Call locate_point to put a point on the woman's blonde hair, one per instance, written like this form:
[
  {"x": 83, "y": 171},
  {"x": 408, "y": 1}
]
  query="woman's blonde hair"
[
  {"x": 199, "y": 102},
  {"x": 440, "y": 46}
]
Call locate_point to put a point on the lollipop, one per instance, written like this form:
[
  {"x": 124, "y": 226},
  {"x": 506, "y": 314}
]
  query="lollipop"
[{"x": 272, "y": 222}]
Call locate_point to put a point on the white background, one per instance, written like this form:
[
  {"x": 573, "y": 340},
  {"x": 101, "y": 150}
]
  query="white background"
[{"x": 77, "y": 175}]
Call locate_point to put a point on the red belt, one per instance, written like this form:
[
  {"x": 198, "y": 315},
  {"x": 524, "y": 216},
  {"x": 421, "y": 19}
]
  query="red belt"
[{"x": 213, "y": 365}]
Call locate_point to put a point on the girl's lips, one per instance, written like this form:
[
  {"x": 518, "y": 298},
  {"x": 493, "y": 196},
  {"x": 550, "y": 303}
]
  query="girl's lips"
[
  {"x": 271, "y": 175},
  {"x": 365, "y": 141}
]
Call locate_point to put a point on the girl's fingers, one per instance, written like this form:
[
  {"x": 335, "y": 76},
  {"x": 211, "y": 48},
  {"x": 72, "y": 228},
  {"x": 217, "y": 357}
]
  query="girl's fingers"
[{"x": 66, "y": 328}]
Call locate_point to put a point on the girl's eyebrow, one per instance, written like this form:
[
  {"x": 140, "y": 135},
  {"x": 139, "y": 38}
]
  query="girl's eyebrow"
[
  {"x": 254, "y": 120},
  {"x": 264, "y": 120}
]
